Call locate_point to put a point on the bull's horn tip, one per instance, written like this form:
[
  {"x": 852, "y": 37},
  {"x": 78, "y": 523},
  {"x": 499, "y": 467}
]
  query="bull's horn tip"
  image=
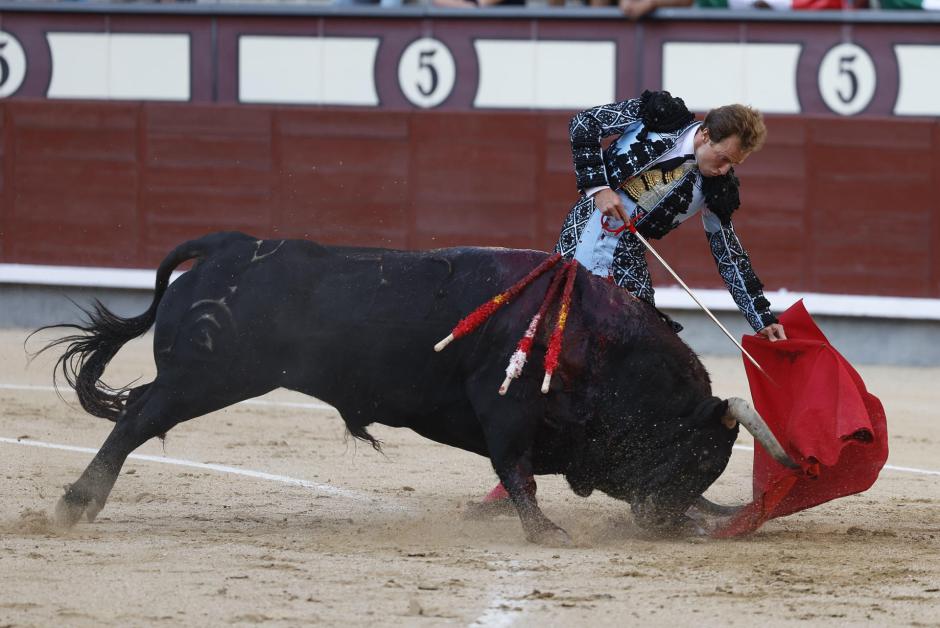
[{"x": 755, "y": 424}]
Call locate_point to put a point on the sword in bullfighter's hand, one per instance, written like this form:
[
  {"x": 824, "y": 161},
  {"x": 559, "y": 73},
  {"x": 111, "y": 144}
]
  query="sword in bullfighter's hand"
[{"x": 649, "y": 247}]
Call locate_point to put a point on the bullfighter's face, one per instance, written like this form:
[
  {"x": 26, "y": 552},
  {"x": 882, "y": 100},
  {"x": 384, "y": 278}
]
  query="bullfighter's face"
[{"x": 716, "y": 158}]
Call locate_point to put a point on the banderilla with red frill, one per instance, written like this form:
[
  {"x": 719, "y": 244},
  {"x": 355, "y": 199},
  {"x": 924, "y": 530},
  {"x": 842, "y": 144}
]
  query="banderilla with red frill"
[{"x": 566, "y": 274}]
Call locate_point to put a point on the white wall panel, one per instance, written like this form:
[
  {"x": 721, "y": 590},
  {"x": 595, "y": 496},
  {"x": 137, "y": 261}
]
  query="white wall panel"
[
  {"x": 307, "y": 70},
  {"x": 119, "y": 66},
  {"x": 918, "y": 85},
  {"x": 708, "y": 75},
  {"x": 523, "y": 74}
]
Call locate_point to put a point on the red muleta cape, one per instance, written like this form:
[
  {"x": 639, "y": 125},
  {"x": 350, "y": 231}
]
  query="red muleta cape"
[{"x": 818, "y": 408}]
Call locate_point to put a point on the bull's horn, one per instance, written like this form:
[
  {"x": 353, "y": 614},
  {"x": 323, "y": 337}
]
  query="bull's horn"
[
  {"x": 742, "y": 411},
  {"x": 705, "y": 505}
]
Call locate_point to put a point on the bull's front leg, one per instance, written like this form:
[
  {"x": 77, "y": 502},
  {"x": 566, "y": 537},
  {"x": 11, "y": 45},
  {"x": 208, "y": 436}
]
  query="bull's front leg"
[
  {"x": 510, "y": 424},
  {"x": 538, "y": 528}
]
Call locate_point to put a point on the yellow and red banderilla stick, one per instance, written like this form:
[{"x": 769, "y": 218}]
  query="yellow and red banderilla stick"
[
  {"x": 524, "y": 347},
  {"x": 479, "y": 315},
  {"x": 553, "y": 354}
]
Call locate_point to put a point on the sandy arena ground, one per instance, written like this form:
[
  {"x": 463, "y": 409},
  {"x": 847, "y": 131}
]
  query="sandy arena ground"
[{"x": 382, "y": 538}]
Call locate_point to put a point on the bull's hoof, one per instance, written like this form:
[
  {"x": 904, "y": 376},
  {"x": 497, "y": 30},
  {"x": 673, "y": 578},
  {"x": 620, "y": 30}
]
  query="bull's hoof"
[
  {"x": 67, "y": 513},
  {"x": 71, "y": 506},
  {"x": 490, "y": 509},
  {"x": 683, "y": 529},
  {"x": 694, "y": 529},
  {"x": 551, "y": 537}
]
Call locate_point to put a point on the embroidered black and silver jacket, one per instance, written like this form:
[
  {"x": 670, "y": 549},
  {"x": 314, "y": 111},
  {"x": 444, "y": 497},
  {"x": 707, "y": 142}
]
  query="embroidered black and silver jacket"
[{"x": 648, "y": 128}]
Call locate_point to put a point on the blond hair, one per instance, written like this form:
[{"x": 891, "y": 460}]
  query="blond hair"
[{"x": 745, "y": 122}]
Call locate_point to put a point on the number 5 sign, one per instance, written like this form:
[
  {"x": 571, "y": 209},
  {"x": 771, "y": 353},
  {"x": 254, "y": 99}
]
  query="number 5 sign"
[
  {"x": 847, "y": 79},
  {"x": 426, "y": 72},
  {"x": 12, "y": 64}
]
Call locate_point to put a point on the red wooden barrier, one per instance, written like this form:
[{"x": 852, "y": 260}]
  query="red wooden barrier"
[{"x": 830, "y": 205}]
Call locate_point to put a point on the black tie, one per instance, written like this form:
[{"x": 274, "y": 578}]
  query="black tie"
[{"x": 671, "y": 164}]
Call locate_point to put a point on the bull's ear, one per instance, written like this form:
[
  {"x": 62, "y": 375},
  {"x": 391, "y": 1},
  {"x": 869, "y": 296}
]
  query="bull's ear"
[
  {"x": 720, "y": 409},
  {"x": 711, "y": 411},
  {"x": 720, "y": 414}
]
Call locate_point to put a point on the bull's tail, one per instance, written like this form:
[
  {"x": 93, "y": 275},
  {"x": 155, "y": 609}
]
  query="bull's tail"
[{"x": 103, "y": 333}]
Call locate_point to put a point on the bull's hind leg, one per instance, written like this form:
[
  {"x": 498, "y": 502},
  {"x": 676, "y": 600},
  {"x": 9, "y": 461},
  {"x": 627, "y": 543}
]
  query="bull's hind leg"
[{"x": 161, "y": 405}]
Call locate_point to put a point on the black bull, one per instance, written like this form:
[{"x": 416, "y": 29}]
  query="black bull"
[{"x": 630, "y": 410}]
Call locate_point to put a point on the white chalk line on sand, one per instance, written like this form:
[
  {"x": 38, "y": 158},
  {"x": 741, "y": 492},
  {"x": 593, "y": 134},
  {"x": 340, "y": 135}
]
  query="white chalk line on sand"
[
  {"x": 504, "y": 606},
  {"x": 887, "y": 467},
  {"x": 495, "y": 614},
  {"x": 326, "y": 489},
  {"x": 309, "y": 405},
  {"x": 507, "y": 600},
  {"x": 319, "y": 405},
  {"x": 502, "y": 610}
]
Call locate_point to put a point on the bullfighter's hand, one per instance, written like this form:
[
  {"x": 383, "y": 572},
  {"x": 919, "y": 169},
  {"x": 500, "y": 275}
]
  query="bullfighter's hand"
[
  {"x": 609, "y": 204},
  {"x": 773, "y": 332}
]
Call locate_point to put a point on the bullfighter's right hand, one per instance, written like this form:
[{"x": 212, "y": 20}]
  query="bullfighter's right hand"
[
  {"x": 609, "y": 204},
  {"x": 773, "y": 332}
]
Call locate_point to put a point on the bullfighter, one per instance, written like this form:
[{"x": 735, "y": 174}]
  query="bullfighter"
[{"x": 662, "y": 169}]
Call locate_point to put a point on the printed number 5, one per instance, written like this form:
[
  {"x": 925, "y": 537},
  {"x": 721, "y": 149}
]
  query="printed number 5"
[
  {"x": 846, "y": 70},
  {"x": 425, "y": 59},
  {"x": 4, "y": 65},
  {"x": 426, "y": 72},
  {"x": 847, "y": 79}
]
